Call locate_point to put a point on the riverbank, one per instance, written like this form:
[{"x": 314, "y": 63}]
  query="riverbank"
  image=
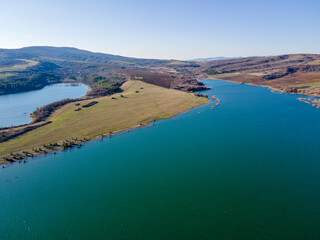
[
  {"x": 307, "y": 85},
  {"x": 138, "y": 105},
  {"x": 15, "y": 109},
  {"x": 281, "y": 90}
]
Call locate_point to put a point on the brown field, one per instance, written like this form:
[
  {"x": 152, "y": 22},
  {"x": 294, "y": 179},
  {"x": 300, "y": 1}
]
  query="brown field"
[{"x": 159, "y": 79}]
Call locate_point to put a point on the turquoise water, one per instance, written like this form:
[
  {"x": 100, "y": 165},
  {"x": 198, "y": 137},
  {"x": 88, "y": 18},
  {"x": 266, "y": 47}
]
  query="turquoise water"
[
  {"x": 249, "y": 169},
  {"x": 15, "y": 108}
]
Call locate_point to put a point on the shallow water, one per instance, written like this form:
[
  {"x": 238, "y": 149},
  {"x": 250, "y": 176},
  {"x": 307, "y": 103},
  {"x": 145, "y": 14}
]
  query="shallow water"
[
  {"x": 249, "y": 169},
  {"x": 15, "y": 108}
]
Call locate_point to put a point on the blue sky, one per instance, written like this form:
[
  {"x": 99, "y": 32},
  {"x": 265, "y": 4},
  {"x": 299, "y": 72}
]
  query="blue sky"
[{"x": 179, "y": 29}]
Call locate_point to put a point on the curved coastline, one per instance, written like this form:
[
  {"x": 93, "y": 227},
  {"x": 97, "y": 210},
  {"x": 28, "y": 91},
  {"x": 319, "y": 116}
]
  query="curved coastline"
[
  {"x": 46, "y": 148},
  {"x": 279, "y": 91},
  {"x": 19, "y": 106}
]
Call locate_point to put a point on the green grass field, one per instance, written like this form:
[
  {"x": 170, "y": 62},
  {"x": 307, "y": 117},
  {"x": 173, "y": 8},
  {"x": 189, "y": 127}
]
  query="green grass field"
[
  {"x": 109, "y": 115},
  {"x": 4, "y": 75},
  {"x": 316, "y": 83},
  {"x": 19, "y": 67}
]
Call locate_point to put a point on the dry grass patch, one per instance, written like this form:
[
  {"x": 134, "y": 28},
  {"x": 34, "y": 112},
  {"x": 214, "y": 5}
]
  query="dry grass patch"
[
  {"x": 140, "y": 103},
  {"x": 19, "y": 67},
  {"x": 316, "y": 62}
]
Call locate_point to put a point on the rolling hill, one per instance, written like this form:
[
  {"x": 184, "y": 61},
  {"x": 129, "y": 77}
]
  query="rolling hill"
[
  {"x": 294, "y": 73},
  {"x": 35, "y": 67},
  {"x": 32, "y": 68}
]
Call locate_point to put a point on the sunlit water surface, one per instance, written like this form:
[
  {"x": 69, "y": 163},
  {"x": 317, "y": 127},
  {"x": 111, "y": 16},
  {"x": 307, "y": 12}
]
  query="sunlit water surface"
[
  {"x": 249, "y": 169},
  {"x": 15, "y": 108}
]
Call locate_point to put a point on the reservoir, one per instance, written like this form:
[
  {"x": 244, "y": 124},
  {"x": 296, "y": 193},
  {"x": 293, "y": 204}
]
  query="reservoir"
[
  {"x": 248, "y": 169},
  {"x": 15, "y": 108}
]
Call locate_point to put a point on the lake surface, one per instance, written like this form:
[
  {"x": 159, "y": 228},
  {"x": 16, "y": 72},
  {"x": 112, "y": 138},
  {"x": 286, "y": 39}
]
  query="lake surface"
[
  {"x": 15, "y": 108},
  {"x": 249, "y": 169}
]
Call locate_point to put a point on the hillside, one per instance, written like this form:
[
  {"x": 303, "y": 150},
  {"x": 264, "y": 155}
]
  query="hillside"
[
  {"x": 35, "y": 67},
  {"x": 68, "y": 53},
  {"x": 213, "y": 59},
  {"x": 295, "y": 73}
]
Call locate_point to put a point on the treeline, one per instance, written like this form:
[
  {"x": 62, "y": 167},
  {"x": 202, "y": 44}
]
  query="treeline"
[
  {"x": 21, "y": 84},
  {"x": 281, "y": 73},
  {"x": 103, "y": 83},
  {"x": 44, "y": 112},
  {"x": 41, "y": 114},
  {"x": 103, "y": 87},
  {"x": 12, "y": 133},
  {"x": 214, "y": 71}
]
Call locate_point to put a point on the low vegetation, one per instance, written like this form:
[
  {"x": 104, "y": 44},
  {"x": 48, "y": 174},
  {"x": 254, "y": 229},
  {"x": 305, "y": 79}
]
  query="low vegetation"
[
  {"x": 316, "y": 62},
  {"x": 315, "y": 83},
  {"x": 215, "y": 71},
  {"x": 103, "y": 83},
  {"x": 5, "y": 75},
  {"x": 41, "y": 114},
  {"x": 90, "y": 104},
  {"x": 19, "y": 66},
  {"x": 9, "y": 133}
]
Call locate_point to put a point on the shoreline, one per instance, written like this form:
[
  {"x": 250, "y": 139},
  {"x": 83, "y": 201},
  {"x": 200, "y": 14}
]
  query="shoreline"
[
  {"x": 23, "y": 155},
  {"x": 36, "y": 89},
  {"x": 31, "y": 113},
  {"x": 273, "y": 90},
  {"x": 76, "y": 142}
]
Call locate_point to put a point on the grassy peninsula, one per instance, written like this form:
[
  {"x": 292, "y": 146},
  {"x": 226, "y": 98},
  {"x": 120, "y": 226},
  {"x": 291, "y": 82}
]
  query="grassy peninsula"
[{"x": 139, "y": 104}]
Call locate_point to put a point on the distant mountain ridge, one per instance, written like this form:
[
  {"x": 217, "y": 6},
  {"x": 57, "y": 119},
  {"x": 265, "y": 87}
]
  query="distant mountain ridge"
[
  {"x": 214, "y": 59},
  {"x": 66, "y": 53}
]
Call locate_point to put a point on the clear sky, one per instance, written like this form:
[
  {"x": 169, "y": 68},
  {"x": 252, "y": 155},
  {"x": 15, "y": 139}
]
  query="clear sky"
[{"x": 179, "y": 29}]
